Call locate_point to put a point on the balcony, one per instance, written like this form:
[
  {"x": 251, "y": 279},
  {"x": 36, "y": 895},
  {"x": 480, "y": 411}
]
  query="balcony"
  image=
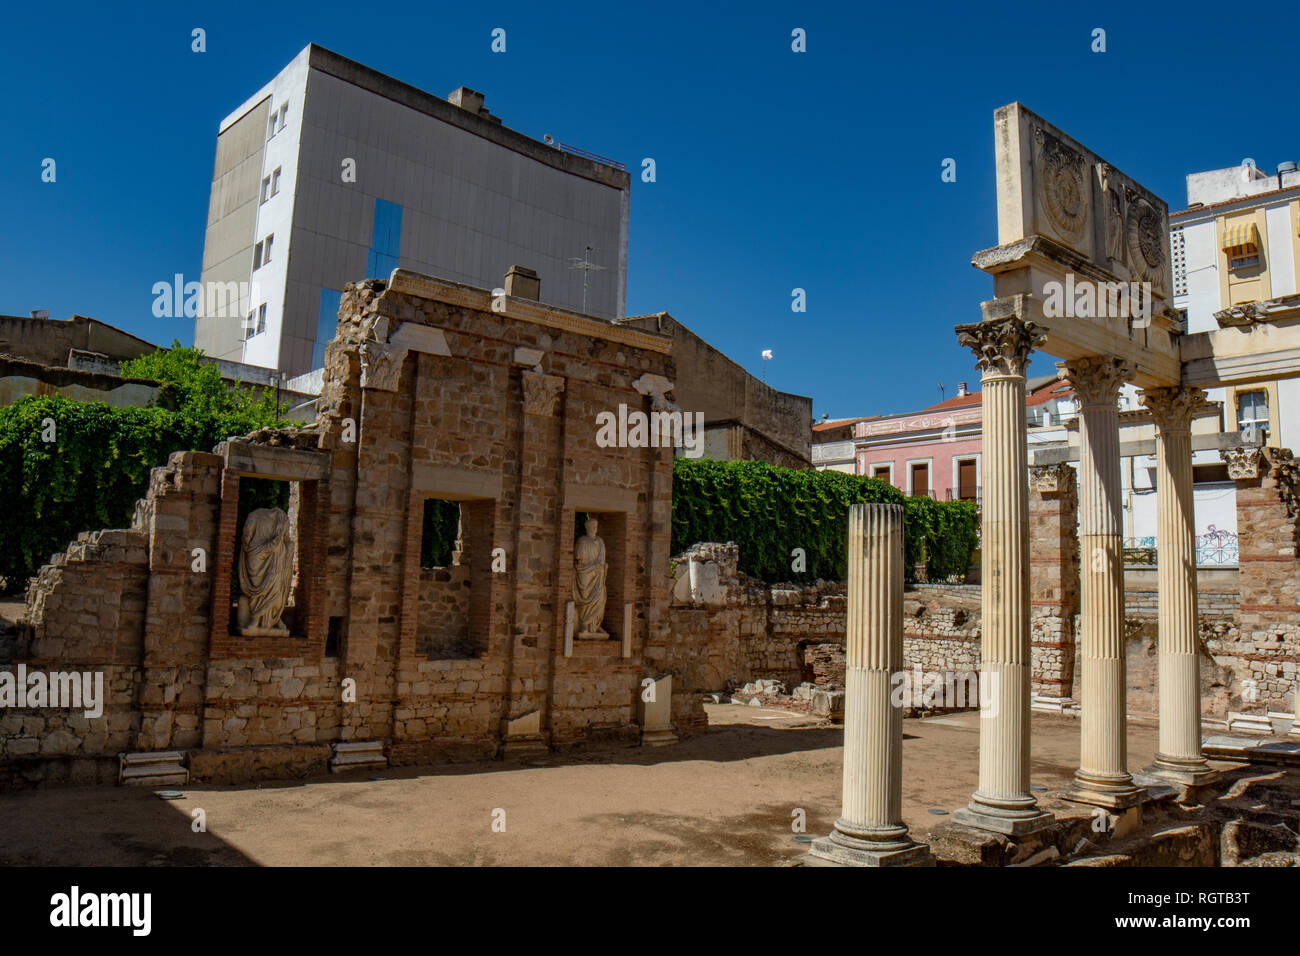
[
  {"x": 968, "y": 493},
  {"x": 1217, "y": 549}
]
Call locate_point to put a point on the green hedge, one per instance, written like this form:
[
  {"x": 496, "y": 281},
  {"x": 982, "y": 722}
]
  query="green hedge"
[
  {"x": 768, "y": 511},
  {"x": 91, "y": 475}
]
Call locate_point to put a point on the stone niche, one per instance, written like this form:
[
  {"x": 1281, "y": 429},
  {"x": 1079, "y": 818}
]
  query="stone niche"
[
  {"x": 610, "y": 510},
  {"x": 454, "y": 585},
  {"x": 269, "y": 572}
]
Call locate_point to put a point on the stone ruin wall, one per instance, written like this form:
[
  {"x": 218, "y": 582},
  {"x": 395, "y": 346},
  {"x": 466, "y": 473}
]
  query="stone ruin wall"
[
  {"x": 1249, "y": 620},
  {"x": 127, "y": 602}
]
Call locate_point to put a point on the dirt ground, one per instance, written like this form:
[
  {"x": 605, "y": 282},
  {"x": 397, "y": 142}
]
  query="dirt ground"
[{"x": 725, "y": 798}]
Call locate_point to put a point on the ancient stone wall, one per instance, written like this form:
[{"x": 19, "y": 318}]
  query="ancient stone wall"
[
  {"x": 429, "y": 392},
  {"x": 795, "y": 633}
]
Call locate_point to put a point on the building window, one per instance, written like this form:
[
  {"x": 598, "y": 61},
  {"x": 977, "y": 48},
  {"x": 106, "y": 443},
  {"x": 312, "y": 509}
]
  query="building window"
[
  {"x": 919, "y": 472},
  {"x": 1244, "y": 261},
  {"x": 327, "y": 323},
  {"x": 275, "y": 122},
  {"x": 262, "y": 252},
  {"x": 271, "y": 185},
  {"x": 1177, "y": 251},
  {"x": 1252, "y": 414},
  {"x": 967, "y": 488},
  {"x": 385, "y": 241},
  {"x": 883, "y": 472},
  {"x": 256, "y": 322}
]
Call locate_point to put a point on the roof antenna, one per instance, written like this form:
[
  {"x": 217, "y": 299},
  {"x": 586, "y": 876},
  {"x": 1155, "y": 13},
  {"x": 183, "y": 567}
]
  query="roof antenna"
[
  {"x": 941, "y": 391},
  {"x": 587, "y": 267}
]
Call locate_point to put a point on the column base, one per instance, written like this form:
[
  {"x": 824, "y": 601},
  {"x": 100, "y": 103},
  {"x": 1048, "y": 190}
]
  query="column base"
[
  {"x": 839, "y": 849},
  {"x": 1009, "y": 821},
  {"x": 1194, "y": 772},
  {"x": 1111, "y": 792},
  {"x": 658, "y": 736}
]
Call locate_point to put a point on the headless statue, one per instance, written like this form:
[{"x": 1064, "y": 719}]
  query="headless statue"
[
  {"x": 265, "y": 572},
  {"x": 589, "y": 570}
]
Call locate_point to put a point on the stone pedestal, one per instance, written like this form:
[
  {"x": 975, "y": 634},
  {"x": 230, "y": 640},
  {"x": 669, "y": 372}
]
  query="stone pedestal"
[
  {"x": 1102, "y": 778},
  {"x": 1178, "y": 756},
  {"x": 523, "y": 736},
  {"x": 1003, "y": 802},
  {"x": 656, "y": 713},
  {"x": 870, "y": 830}
]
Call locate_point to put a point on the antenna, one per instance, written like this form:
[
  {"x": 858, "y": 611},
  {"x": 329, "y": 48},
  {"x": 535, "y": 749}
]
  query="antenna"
[
  {"x": 941, "y": 391},
  {"x": 587, "y": 267}
]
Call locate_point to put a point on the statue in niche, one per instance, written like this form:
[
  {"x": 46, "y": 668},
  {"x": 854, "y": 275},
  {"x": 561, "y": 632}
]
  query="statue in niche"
[
  {"x": 589, "y": 568},
  {"x": 265, "y": 573}
]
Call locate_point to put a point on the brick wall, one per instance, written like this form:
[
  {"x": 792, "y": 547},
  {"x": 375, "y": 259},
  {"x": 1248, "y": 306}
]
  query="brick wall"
[{"x": 380, "y": 648}]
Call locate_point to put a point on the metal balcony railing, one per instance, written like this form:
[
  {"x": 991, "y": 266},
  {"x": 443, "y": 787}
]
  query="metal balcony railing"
[{"x": 1215, "y": 549}]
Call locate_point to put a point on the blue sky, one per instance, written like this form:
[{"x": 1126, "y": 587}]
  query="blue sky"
[{"x": 776, "y": 170}]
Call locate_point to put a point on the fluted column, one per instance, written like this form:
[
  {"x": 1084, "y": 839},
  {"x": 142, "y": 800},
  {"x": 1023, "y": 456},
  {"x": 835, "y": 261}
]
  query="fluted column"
[
  {"x": 1178, "y": 758},
  {"x": 1102, "y": 778},
  {"x": 870, "y": 830},
  {"x": 1003, "y": 803}
]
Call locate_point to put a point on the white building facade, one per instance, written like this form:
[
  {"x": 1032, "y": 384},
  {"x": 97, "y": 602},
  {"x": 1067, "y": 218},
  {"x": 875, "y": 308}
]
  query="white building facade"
[
  {"x": 1239, "y": 242},
  {"x": 333, "y": 172}
]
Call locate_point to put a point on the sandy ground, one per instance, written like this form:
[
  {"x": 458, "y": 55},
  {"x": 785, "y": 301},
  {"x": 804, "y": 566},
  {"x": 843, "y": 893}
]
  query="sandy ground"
[{"x": 725, "y": 798}]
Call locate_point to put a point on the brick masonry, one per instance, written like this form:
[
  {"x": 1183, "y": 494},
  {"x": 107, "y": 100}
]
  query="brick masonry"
[{"x": 425, "y": 396}]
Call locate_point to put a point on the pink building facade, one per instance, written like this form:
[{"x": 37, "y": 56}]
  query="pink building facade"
[{"x": 934, "y": 453}]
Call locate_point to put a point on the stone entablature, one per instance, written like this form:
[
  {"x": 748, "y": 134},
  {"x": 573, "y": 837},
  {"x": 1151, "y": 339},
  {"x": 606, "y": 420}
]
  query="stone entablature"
[{"x": 424, "y": 396}]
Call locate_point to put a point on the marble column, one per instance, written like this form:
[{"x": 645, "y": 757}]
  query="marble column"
[
  {"x": 1178, "y": 756},
  {"x": 870, "y": 830},
  {"x": 1102, "y": 778},
  {"x": 1003, "y": 803}
]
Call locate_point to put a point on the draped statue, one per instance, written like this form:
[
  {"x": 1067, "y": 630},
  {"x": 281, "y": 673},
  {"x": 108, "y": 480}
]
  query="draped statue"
[
  {"x": 589, "y": 570},
  {"x": 265, "y": 572}
]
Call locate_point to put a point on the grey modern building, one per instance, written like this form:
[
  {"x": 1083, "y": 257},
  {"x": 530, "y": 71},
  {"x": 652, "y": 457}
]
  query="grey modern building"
[{"x": 333, "y": 172}]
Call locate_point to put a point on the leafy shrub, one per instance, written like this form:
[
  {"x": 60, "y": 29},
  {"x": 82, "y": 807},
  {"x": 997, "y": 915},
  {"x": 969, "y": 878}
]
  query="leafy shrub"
[
  {"x": 768, "y": 511},
  {"x": 98, "y": 464}
]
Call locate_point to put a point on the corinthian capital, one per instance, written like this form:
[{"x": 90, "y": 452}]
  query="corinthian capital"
[
  {"x": 541, "y": 392},
  {"x": 1052, "y": 479},
  {"x": 1097, "y": 378},
  {"x": 1001, "y": 346},
  {"x": 1174, "y": 408},
  {"x": 1242, "y": 462}
]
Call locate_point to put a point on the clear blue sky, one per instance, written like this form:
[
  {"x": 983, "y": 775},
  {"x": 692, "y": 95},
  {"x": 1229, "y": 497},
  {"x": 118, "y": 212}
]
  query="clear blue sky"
[{"x": 776, "y": 169}]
